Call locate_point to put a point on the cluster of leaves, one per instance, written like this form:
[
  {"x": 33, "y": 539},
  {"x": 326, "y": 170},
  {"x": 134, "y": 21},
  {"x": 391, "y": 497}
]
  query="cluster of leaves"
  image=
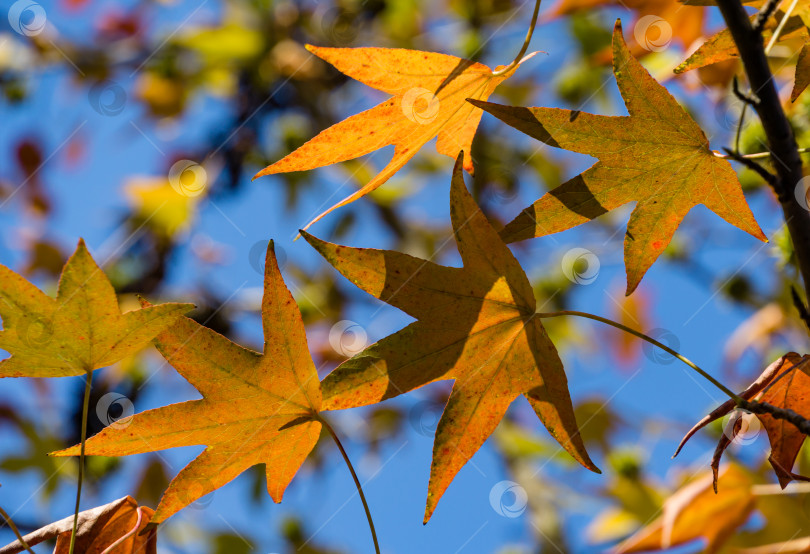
[{"x": 476, "y": 325}]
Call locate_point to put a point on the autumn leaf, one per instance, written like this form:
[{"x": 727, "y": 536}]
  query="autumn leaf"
[
  {"x": 784, "y": 384},
  {"x": 656, "y": 22},
  {"x": 256, "y": 408},
  {"x": 476, "y": 325},
  {"x": 657, "y": 157},
  {"x": 98, "y": 529},
  {"x": 802, "y": 78},
  {"x": 696, "y": 512},
  {"x": 429, "y": 92},
  {"x": 720, "y": 46},
  {"x": 82, "y": 329}
]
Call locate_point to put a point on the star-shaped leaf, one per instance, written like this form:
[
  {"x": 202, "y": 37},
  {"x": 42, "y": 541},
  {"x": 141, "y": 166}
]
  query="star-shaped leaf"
[
  {"x": 476, "y": 325},
  {"x": 784, "y": 384},
  {"x": 82, "y": 329},
  {"x": 657, "y": 157},
  {"x": 256, "y": 408},
  {"x": 429, "y": 92}
]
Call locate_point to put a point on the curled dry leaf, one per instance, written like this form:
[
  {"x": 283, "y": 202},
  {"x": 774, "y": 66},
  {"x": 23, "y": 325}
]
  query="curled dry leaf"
[
  {"x": 80, "y": 330},
  {"x": 696, "y": 512},
  {"x": 98, "y": 529},
  {"x": 657, "y": 157},
  {"x": 784, "y": 384},
  {"x": 429, "y": 92},
  {"x": 476, "y": 325},
  {"x": 256, "y": 408}
]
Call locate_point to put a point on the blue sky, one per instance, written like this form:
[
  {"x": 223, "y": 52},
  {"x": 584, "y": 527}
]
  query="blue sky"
[{"x": 89, "y": 202}]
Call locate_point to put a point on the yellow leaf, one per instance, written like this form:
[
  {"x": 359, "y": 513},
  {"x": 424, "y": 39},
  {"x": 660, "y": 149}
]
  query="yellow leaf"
[
  {"x": 82, "y": 329},
  {"x": 256, "y": 408}
]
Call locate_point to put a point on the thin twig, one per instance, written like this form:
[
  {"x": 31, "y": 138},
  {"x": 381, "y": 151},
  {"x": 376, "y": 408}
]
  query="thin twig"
[
  {"x": 800, "y": 307},
  {"x": 769, "y": 177},
  {"x": 88, "y": 379},
  {"x": 649, "y": 339},
  {"x": 764, "y": 14},
  {"x": 526, "y": 42},
  {"x": 328, "y": 427},
  {"x": 745, "y": 97},
  {"x": 17, "y": 534},
  {"x": 738, "y": 134}
]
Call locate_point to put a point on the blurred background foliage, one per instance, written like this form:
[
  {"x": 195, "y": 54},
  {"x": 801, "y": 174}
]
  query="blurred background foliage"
[{"x": 101, "y": 102}]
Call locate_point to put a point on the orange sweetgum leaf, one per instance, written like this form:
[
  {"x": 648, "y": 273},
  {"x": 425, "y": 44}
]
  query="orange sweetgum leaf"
[
  {"x": 696, "y": 512},
  {"x": 255, "y": 408},
  {"x": 429, "y": 92},
  {"x": 657, "y": 157},
  {"x": 476, "y": 325},
  {"x": 784, "y": 384},
  {"x": 98, "y": 529},
  {"x": 656, "y": 21},
  {"x": 80, "y": 330}
]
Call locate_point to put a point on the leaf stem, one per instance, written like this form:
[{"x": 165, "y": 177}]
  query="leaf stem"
[
  {"x": 780, "y": 26},
  {"x": 16, "y": 531},
  {"x": 756, "y": 156},
  {"x": 88, "y": 379},
  {"x": 652, "y": 341},
  {"x": 325, "y": 423},
  {"x": 526, "y": 42},
  {"x": 129, "y": 533}
]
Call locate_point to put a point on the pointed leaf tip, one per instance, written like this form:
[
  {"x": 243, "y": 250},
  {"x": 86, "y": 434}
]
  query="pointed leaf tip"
[
  {"x": 487, "y": 302},
  {"x": 645, "y": 173},
  {"x": 412, "y": 78}
]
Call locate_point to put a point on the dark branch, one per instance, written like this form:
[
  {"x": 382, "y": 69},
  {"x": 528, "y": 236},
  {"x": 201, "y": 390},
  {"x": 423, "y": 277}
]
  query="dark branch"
[
  {"x": 770, "y": 178},
  {"x": 748, "y": 97},
  {"x": 790, "y": 416},
  {"x": 781, "y": 141}
]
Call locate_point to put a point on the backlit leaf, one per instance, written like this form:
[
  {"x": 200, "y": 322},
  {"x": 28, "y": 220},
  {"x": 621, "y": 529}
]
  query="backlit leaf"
[
  {"x": 657, "y": 157},
  {"x": 80, "y": 330},
  {"x": 429, "y": 92},
  {"x": 476, "y": 325},
  {"x": 256, "y": 408}
]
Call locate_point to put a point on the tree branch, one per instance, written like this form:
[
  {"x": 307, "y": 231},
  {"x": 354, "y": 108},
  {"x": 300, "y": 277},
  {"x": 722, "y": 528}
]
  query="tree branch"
[
  {"x": 790, "y": 416},
  {"x": 781, "y": 141}
]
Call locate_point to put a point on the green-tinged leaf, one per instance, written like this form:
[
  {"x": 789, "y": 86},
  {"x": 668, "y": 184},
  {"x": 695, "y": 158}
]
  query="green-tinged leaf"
[
  {"x": 82, "y": 329},
  {"x": 657, "y": 157}
]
